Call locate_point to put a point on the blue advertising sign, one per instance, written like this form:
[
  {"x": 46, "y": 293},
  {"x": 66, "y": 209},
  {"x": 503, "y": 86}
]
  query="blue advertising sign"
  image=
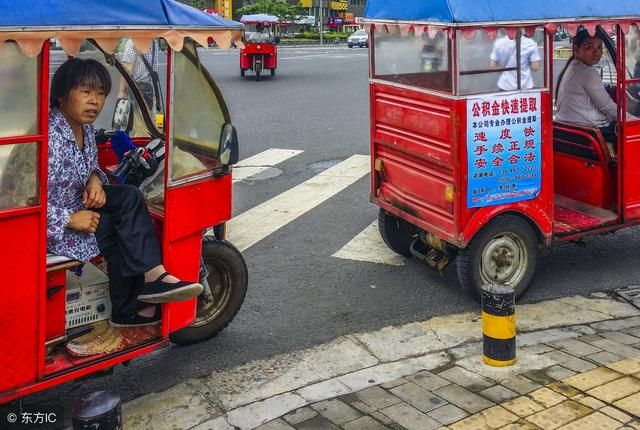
[{"x": 503, "y": 149}]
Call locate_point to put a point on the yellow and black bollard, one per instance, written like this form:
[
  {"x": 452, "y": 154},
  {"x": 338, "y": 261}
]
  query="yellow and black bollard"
[{"x": 498, "y": 325}]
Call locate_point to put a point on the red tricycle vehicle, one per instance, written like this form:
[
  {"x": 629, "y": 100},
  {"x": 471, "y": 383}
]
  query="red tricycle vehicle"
[
  {"x": 470, "y": 161},
  {"x": 260, "y": 50},
  {"x": 184, "y": 156}
]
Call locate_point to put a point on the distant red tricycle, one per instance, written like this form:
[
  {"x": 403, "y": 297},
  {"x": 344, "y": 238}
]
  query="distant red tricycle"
[{"x": 260, "y": 50}]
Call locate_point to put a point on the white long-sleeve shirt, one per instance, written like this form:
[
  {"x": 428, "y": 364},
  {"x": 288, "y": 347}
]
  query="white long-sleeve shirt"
[{"x": 582, "y": 98}]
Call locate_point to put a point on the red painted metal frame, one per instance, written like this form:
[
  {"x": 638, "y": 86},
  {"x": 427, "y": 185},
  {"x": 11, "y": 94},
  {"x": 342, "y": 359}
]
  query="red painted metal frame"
[{"x": 269, "y": 52}]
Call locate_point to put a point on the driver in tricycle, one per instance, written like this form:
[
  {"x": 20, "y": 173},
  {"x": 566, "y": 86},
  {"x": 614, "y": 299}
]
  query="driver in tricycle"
[{"x": 87, "y": 216}]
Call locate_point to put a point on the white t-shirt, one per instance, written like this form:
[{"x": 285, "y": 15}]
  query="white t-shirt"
[
  {"x": 582, "y": 98},
  {"x": 504, "y": 53}
]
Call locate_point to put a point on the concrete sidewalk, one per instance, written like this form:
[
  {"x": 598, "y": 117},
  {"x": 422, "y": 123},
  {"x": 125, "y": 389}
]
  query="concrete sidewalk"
[{"x": 578, "y": 367}]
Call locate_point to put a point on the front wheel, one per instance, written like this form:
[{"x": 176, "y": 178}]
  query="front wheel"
[
  {"x": 396, "y": 233},
  {"x": 228, "y": 282},
  {"x": 258, "y": 71},
  {"x": 505, "y": 251}
]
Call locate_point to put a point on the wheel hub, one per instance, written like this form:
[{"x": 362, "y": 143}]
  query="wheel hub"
[{"x": 504, "y": 260}]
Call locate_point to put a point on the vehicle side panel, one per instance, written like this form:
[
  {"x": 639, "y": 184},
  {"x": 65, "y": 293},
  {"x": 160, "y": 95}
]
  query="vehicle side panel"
[
  {"x": 631, "y": 172},
  {"x": 412, "y": 147}
]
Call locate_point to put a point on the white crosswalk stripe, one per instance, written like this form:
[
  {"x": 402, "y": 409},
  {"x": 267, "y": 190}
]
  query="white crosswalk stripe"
[
  {"x": 368, "y": 246},
  {"x": 260, "y": 162},
  {"x": 250, "y": 227}
]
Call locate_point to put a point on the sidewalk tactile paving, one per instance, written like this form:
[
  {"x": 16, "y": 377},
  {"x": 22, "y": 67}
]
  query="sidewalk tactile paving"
[
  {"x": 627, "y": 367},
  {"x": 463, "y": 398},
  {"x": 498, "y": 394},
  {"x": 492, "y": 418},
  {"x": 418, "y": 397},
  {"x": 594, "y": 421},
  {"x": 447, "y": 414},
  {"x": 522, "y": 406},
  {"x": 588, "y": 401},
  {"x": 616, "y": 390},
  {"x": 410, "y": 418},
  {"x": 547, "y": 397},
  {"x": 559, "y": 415},
  {"x": 616, "y": 414},
  {"x": 630, "y": 404},
  {"x": 592, "y": 378},
  {"x": 336, "y": 411}
]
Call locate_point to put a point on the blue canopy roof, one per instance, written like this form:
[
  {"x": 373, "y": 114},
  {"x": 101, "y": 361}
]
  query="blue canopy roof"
[
  {"x": 474, "y": 11},
  {"x": 107, "y": 13}
]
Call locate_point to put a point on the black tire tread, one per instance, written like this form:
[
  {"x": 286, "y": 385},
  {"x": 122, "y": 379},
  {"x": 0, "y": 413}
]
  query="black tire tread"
[
  {"x": 189, "y": 335},
  {"x": 394, "y": 237}
]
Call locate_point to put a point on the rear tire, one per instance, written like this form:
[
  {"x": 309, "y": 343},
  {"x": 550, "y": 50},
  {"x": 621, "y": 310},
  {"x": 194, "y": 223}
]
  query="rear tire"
[
  {"x": 505, "y": 251},
  {"x": 258, "y": 71},
  {"x": 396, "y": 233},
  {"x": 242, "y": 73},
  {"x": 228, "y": 281},
  {"x": 273, "y": 72}
]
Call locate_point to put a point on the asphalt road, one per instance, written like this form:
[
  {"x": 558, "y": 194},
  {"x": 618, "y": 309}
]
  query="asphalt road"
[{"x": 299, "y": 295}]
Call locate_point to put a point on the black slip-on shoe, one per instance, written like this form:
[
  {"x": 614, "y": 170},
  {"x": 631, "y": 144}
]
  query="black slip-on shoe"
[
  {"x": 159, "y": 291},
  {"x": 136, "y": 320}
]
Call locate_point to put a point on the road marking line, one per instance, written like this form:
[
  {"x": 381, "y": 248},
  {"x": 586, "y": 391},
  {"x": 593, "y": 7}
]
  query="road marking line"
[
  {"x": 368, "y": 246},
  {"x": 261, "y": 162},
  {"x": 250, "y": 227}
]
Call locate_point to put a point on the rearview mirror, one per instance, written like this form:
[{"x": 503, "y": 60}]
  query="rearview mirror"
[
  {"x": 228, "y": 152},
  {"x": 123, "y": 115}
]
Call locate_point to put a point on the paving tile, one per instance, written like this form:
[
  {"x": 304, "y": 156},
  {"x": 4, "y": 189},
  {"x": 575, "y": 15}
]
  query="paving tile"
[
  {"x": 558, "y": 372},
  {"x": 498, "y": 394},
  {"x": 569, "y": 361},
  {"x": 593, "y": 378},
  {"x": 539, "y": 375},
  {"x": 428, "y": 380},
  {"x": 492, "y": 418},
  {"x": 624, "y": 351},
  {"x": 277, "y": 424},
  {"x": 623, "y": 338},
  {"x": 463, "y": 398},
  {"x": 377, "y": 398},
  {"x": 365, "y": 423},
  {"x": 589, "y": 338},
  {"x": 362, "y": 407},
  {"x": 394, "y": 383},
  {"x": 382, "y": 418},
  {"x": 521, "y": 385},
  {"x": 448, "y": 414},
  {"x": 630, "y": 404},
  {"x": 418, "y": 397},
  {"x": 520, "y": 425},
  {"x": 547, "y": 397},
  {"x": 465, "y": 378},
  {"x": 575, "y": 347},
  {"x": 604, "y": 357},
  {"x": 522, "y": 406},
  {"x": 336, "y": 411},
  {"x": 409, "y": 417},
  {"x": 589, "y": 401},
  {"x": 594, "y": 421},
  {"x": 540, "y": 348},
  {"x": 300, "y": 415},
  {"x": 633, "y": 331},
  {"x": 616, "y": 390},
  {"x": 317, "y": 423},
  {"x": 616, "y": 414},
  {"x": 563, "y": 388},
  {"x": 628, "y": 366},
  {"x": 614, "y": 325},
  {"x": 559, "y": 415}
]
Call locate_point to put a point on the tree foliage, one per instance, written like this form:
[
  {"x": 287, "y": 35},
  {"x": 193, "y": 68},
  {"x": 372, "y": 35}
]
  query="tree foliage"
[{"x": 283, "y": 10}]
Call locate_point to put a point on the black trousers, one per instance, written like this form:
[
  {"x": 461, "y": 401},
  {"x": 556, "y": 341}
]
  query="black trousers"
[{"x": 129, "y": 244}]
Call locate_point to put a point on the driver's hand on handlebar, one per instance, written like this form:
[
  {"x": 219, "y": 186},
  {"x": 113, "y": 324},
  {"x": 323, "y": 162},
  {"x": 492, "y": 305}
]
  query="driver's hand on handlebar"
[
  {"x": 94, "y": 195},
  {"x": 85, "y": 221}
]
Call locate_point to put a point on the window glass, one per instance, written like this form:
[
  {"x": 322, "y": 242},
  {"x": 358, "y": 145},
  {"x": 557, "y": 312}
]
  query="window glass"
[
  {"x": 19, "y": 175},
  {"x": 632, "y": 64},
  {"x": 18, "y": 92},
  {"x": 197, "y": 118},
  {"x": 419, "y": 60},
  {"x": 488, "y": 65}
]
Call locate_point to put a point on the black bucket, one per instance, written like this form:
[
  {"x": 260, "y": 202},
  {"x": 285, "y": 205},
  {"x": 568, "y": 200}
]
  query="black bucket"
[{"x": 100, "y": 410}]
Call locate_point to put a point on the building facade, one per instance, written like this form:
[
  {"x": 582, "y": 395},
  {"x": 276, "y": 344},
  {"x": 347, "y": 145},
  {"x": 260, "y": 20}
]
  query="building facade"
[{"x": 335, "y": 13}]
